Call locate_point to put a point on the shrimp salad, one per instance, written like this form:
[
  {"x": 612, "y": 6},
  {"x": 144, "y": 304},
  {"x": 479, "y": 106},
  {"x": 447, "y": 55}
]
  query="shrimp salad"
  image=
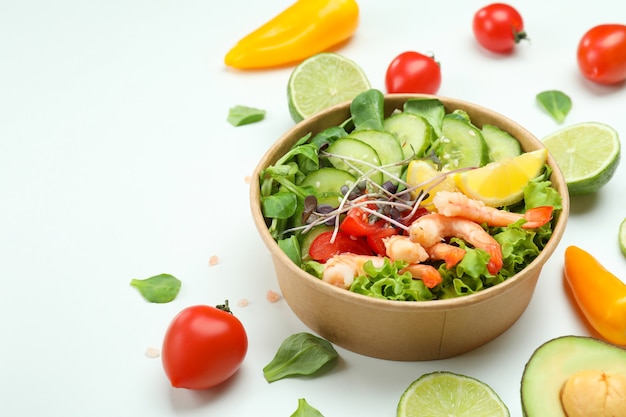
[{"x": 340, "y": 205}]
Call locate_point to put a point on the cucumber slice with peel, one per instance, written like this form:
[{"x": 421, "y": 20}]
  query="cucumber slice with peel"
[
  {"x": 356, "y": 157},
  {"x": 413, "y": 132},
  {"x": 388, "y": 149},
  {"x": 500, "y": 144},
  {"x": 462, "y": 144},
  {"x": 328, "y": 180}
]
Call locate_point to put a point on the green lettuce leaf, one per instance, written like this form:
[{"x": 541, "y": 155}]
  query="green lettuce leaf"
[{"x": 386, "y": 282}]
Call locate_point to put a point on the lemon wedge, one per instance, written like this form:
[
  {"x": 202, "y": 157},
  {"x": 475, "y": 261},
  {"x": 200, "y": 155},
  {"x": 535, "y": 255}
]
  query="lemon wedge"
[
  {"x": 425, "y": 177},
  {"x": 501, "y": 183}
]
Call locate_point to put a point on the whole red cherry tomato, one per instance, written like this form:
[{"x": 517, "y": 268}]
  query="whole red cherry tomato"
[
  {"x": 412, "y": 72},
  {"x": 498, "y": 27},
  {"x": 602, "y": 54},
  {"x": 203, "y": 347}
]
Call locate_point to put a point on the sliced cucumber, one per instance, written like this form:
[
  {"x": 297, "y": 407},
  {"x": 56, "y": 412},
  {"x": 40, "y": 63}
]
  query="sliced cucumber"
[
  {"x": 413, "y": 132},
  {"x": 500, "y": 144},
  {"x": 328, "y": 180},
  {"x": 360, "y": 158},
  {"x": 431, "y": 109},
  {"x": 462, "y": 144},
  {"x": 388, "y": 149}
]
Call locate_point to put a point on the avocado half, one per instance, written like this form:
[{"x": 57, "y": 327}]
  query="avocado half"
[{"x": 554, "y": 362}]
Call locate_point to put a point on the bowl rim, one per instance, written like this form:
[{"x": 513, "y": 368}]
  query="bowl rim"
[{"x": 271, "y": 155}]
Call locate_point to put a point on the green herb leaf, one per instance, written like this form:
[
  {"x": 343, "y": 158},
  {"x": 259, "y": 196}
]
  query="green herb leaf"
[
  {"x": 299, "y": 354},
  {"x": 367, "y": 110},
  {"x": 291, "y": 247},
  {"x": 431, "y": 109},
  {"x": 243, "y": 115},
  {"x": 159, "y": 288},
  {"x": 305, "y": 410},
  {"x": 556, "y": 103}
]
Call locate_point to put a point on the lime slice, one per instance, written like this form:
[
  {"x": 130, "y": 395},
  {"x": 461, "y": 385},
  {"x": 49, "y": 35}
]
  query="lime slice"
[
  {"x": 587, "y": 153},
  {"x": 447, "y": 394},
  {"x": 321, "y": 81},
  {"x": 622, "y": 237},
  {"x": 501, "y": 183}
]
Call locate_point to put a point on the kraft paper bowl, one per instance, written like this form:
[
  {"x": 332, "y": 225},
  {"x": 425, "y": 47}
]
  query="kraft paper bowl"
[{"x": 405, "y": 330}]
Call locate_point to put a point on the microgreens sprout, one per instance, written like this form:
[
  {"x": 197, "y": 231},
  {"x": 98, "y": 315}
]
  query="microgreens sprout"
[{"x": 390, "y": 198}]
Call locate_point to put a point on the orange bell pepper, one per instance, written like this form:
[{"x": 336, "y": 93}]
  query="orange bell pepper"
[
  {"x": 600, "y": 295},
  {"x": 300, "y": 31}
]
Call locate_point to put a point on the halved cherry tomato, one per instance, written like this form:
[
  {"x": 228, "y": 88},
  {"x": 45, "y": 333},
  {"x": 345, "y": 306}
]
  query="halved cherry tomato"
[
  {"x": 412, "y": 72},
  {"x": 323, "y": 249},
  {"x": 498, "y": 27},
  {"x": 418, "y": 213},
  {"x": 375, "y": 239},
  {"x": 602, "y": 54},
  {"x": 356, "y": 223}
]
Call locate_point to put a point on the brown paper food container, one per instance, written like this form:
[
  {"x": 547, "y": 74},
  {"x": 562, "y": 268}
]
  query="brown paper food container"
[{"x": 403, "y": 330}]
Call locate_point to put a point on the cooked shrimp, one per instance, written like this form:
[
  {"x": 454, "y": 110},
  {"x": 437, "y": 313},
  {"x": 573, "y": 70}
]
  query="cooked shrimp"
[
  {"x": 340, "y": 270},
  {"x": 450, "y": 254},
  {"x": 427, "y": 273},
  {"x": 401, "y": 248},
  {"x": 434, "y": 227},
  {"x": 454, "y": 203}
]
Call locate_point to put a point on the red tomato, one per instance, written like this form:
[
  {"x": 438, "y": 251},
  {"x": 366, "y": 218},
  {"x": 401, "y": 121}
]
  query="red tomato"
[
  {"x": 412, "y": 72},
  {"x": 498, "y": 27},
  {"x": 375, "y": 239},
  {"x": 421, "y": 211},
  {"x": 356, "y": 223},
  {"x": 602, "y": 54},
  {"x": 323, "y": 249},
  {"x": 203, "y": 347}
]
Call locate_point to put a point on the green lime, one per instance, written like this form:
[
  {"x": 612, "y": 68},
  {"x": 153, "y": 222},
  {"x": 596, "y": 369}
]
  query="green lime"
[
  {"x": 447, "y": 394},
  {"x": 621, "y": 237},
  {"x": 321, "y": 81},
  {"x": 587, "y": 153}
]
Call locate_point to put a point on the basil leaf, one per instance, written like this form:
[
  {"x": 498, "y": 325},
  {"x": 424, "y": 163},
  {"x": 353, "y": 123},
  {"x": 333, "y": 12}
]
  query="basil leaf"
[
  {"x": 299, "y": 354},
  {"x": 556, "y": 103},
  {"x": 367, "y": 110},
  {"x": 291, "y": 247},
  {"x": 243, "y": 115},
  {"x": 159, "y": 288},
  {"x": 430, "y": 109},
  {"x": 279, "y": 205},
  {"x": 305, "y": 410}
]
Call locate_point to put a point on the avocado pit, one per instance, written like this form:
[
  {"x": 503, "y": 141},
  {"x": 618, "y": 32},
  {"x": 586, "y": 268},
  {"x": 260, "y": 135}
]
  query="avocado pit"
[{"x": 594, "y": 393}]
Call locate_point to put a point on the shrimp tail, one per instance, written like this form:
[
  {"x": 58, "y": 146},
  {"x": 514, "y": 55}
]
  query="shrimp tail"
[
  {"x": 427, "y": 273},
  {"x": 450, "y": 254},
  {"x": 537, "y": 217},
  {"x": 495, "y": 258}
]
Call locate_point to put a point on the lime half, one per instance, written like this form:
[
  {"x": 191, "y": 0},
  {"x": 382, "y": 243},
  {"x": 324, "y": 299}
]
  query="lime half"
[
  {"x": 622, "y": 237},
  {"x": 447, "y": 394},
  {"x": 321, "y": 81},
  {"x": 587, "y": 153}
]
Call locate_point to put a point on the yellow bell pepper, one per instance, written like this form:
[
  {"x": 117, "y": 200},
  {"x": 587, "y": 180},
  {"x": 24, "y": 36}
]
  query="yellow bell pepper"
[
  {"x": 300, "y": 31},
  {"x": 600, "y": 295}
]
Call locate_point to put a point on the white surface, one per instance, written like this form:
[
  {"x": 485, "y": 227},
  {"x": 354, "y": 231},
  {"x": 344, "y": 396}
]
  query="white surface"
[{"x": 116, "y": 162}]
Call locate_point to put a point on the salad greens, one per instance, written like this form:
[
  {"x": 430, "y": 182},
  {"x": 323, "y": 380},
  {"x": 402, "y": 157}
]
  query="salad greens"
[
  {"x": 243, "y": 115},
  {"x": 306, "y": 410},
  {"x": 295, "y": 210},
  {"x": 161, "y": 288},
  {"x": 556, "y": 103},
  {"x": 299, "y": 354}
]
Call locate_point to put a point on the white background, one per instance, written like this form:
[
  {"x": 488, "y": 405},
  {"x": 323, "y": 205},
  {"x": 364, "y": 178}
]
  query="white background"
[{"x": 116, "y": 162}]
